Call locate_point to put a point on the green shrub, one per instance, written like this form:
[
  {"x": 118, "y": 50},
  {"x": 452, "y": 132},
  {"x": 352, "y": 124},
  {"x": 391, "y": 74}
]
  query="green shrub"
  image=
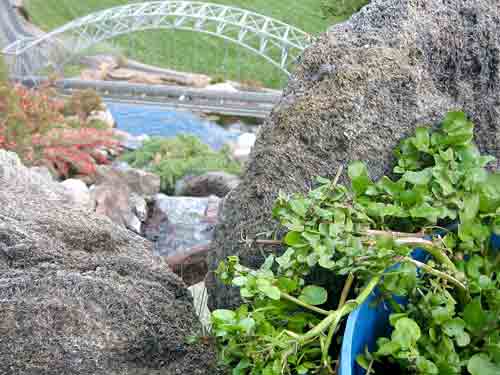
[
  {"x": 342, "y": 8},
  {"x": 177, "y": 157}
]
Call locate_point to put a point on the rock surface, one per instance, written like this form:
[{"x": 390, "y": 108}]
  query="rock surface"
[
  {"x": 363, "y": 86},
  {"x": 139, "y": 181},
  {"x": 79, "y": 192},
  {"x": 181, "y": 229},
  {"x": 82, "y": 296},
  {"x": 210, "y": 183}
]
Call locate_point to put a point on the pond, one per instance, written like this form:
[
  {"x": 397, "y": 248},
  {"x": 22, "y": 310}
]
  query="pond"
[{"x": 140, "y": 119}]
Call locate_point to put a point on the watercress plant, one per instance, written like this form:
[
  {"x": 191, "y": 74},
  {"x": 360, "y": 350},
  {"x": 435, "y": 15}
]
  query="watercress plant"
[{"x": 444, "y": 201}]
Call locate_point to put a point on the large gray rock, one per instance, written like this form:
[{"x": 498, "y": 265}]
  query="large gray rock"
[
  {"x": 361, "y": 88},
  {"x": 80, "y": 295},
  {"x": 210, "y": 183}
]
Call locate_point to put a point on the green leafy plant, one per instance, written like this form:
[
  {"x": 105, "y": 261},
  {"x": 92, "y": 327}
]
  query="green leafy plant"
[
  {"x": 174, "y": 158},
  {"x": 449, "y": 326}
]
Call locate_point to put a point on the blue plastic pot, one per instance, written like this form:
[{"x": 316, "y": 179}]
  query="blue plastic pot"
[{"x": 369, "y": 322}]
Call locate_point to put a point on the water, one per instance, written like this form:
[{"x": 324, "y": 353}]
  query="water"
[{"x": 139, "y": 119}]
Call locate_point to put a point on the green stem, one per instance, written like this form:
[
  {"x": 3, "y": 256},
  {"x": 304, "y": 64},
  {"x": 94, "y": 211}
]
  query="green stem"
[
  {"x": 428, "y": 246},
  {"x": 303, "y": 304},
  {"x": 437, "y": 273},
  {"x": 336, "y": 316},
  {"x": 331, "y": 331},
  {"x": 412, "y": 239}
]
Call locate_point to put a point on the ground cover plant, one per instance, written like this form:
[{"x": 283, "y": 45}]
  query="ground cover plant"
[
  {"x": 32, "y": 124},
  {"x": 443, "y": 200},
  {"x": 174, "y": 158},
  {"x": 200, "y": 53}
]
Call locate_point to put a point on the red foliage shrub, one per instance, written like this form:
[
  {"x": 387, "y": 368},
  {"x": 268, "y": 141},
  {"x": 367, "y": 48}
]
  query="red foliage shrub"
[{"x": 32, "y": 126}]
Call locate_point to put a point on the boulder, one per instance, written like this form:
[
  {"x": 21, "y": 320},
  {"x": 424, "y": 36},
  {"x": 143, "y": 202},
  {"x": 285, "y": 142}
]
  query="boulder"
[
  {"x": 104, "y": 116},
  {"x": 113, "y": 201},
  {"x": 82, "y": 296},
  {"x": 210, "y": 183},
  {"x": 141, "y": 182},
  {"x": 181, "y": 229},
  {"x": 79, "y": 192},
  {"x": 242, "y": 148},
  {"x": 356, "y": 92}
]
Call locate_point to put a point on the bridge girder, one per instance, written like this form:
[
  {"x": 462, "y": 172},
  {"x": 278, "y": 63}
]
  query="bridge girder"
[{"x": 275, "y": 41}]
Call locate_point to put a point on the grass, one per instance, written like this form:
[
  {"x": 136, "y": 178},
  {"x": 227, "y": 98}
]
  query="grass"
[{"x": 190, "y": 51}]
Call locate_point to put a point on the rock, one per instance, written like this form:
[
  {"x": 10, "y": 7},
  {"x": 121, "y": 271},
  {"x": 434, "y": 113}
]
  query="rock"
[
  {"x": 139, "y": 206},
  {"x": 210, "y": 183},
  {"x": 242, "y": 148},
  {"x": 88, "y": 179},
  {"x": 182, "y": 229},
  {"x": 79, "y": 192},
  {"x": 112, "y": 199},
  {"x": 139, "y": 181},
  {"x": 398, "y": 64},
  {"x": 119, "y": 193},
  {"x": 130, "y": 142},
  {"x": 227, "y": 87},
  {"x": 104, "y": 116},
  {"x": 92, "y": 75},
  {"x": 122, "y": 74},
  {"x": 44, "y": 171},
  {"x": 79, "y": 295},
  {"x": 133, "y": 223}
]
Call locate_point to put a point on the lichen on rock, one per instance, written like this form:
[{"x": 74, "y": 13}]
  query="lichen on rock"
[
  {"x": 356, "y": 92},
  {"x": 80, "y": 295}
]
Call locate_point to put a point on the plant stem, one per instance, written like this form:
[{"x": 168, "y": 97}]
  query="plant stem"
[
  {"x": 337, "y": 176},
  {"x": 436, "y": 253},
  {"x": 437, "y": 273},
  {"x": 345, "y": 290},
  {"x": 331, "y": 331},
  {"x": 303, "y": 304},
  {"x": 413, "y": 239},
  {"x": 373, "y": 232},
  {"x": 336, "y": 316}
]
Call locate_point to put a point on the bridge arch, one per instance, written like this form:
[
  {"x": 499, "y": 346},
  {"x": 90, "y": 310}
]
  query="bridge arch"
[{"x": 277, "y": 42}]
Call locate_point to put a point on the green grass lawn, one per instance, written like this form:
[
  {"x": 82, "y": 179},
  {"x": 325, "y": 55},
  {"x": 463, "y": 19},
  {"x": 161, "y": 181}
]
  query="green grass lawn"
[{"x": 191, "y": 51}]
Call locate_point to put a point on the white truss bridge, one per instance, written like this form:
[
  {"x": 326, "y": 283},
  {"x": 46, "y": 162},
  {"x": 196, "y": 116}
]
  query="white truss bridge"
[{"x": 277, "y": 42}]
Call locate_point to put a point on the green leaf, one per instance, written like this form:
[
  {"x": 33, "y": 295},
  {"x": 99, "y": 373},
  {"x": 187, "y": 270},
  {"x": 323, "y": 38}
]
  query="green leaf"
[
  {"x": 227, "y": 316},
  {"x": 288, "y": 285},
  {"x": 474, "y": 316},
  {"x": 406, "y": 333},
  {"x": 247, "y": 325},
  {"x": 293, "y": 238},
  {"x": 458, "y": 129},
  {"x": 241, "y": 367},
  {"x": 421, "y": 139},
  {"x": 425, "y": 366},
  {"x": 360, "y": 179},
  {"x": 480, "y": 364},
  {"x": 270, "y": 291},
  {"x": 363, "y": 361},
  {"x": 418, "y": 178},
  {"x": 239, "y": 281},
  {"x": 456, "y": 328},
  {"x": 471, "y": 208},
  {"x": 425, "y": 211},
  {"x": 299, "y": 206},
  {"x": 389, "y": 348},
  {"x": 313, "y": 295}
]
